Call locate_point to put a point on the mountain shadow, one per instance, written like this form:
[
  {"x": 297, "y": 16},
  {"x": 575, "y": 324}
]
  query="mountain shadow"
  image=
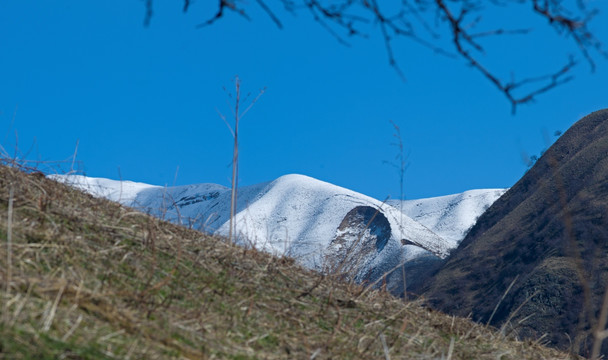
[{"x": 535, "y": 264}]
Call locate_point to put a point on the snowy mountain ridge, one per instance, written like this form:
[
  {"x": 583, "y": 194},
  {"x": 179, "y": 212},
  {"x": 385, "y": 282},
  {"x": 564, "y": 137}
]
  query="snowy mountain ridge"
[
  {"x": 450, "y": 216},
  {"x": 319, "y": 224}
]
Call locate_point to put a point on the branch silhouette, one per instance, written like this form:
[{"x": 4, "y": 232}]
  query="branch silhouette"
[{"x": 428, "y": 22}]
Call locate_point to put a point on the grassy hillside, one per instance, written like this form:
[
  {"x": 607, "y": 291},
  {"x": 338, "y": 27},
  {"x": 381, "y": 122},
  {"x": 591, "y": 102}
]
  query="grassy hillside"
[{"x": 84, "y": 278}]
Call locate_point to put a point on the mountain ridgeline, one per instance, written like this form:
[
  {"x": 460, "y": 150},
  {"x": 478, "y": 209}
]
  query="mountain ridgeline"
[
  {"x": 323, "y": 226},
  {"x": 535, "y": 262}
]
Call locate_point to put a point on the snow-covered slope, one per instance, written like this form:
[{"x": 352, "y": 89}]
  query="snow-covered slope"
[
  {"x": 294, "y": 215},
  {"x": 124, "y": 192},
  {"x": 450, "y": 216},
  {"x": 323, "y": 226}
]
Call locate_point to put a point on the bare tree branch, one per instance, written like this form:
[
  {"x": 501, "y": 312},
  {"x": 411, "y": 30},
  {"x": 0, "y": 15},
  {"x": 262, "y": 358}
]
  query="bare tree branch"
[
  {"x": 223, "y": 4},
  {"x": 270, "y": 13},
  {"x": 387, "y": 38},
  {"x": 149, "y": 13},
  {"x": 501, "y": 32},
  {"x": 577, "y": 28},
  {"x": 460, "y": 35},
  {"x": 412, "y": 20},
  {"x": 338, "y": 15}
]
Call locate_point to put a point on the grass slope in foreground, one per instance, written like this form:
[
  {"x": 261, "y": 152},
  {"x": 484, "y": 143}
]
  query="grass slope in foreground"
[{"x": 87, "y": 278}]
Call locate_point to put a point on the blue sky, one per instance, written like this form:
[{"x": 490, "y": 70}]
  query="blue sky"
[{"x": 142, "y": 102}]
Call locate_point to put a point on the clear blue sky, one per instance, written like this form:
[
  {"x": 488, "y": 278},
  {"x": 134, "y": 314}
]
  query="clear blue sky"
[{"x": 145, "y": 100}]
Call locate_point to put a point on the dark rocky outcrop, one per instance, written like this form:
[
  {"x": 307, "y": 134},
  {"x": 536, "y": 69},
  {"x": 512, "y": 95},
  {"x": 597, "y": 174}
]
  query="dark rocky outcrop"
[
  {"x": 544, "y": 244},
  {"x": 362, "y": 234}
]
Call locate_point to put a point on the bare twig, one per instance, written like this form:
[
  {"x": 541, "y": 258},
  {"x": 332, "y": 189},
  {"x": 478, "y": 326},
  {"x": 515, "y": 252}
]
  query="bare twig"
[
  {"x": 513, "y": 313},
  {"x": 460, "y": 37},
  {"x": 235, "y": 158},
  {"x": 70, "y": 332},
  {"x": 74, "y": 157},
  {"x": 600, "y": 333},
  {"x": 270, "y": 13},
  {"x": 48, "y": 321},
  {"x": 238, "y": 115},
  {"x": 501, "y": 299},
  {"x": 451, "y": 349},
  {"x": 149, "y": 13},
  {"x": 385, "y": 347},
  {"x": 9, "y": 254},
  {"x": 574, "y": 27},
  {"x": 223, "y": 4}
]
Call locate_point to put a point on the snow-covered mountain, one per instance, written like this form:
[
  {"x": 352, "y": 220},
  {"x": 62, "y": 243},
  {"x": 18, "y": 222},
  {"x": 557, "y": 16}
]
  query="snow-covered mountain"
[
  {"x": 318, "y": 223},
  {"x": 323, "y": 226},
  {"x": 450, "y": 216}
]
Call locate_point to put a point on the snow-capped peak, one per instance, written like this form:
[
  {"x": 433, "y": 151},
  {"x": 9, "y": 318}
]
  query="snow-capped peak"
[
  {"x": 450, "y": 216},
  {"x": 324, "y": 226}
]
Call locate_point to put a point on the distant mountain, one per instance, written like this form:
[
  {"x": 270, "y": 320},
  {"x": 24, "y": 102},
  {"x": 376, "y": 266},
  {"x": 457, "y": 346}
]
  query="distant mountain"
[
  {"x": 536, "y": 262},
  {"x": 450, "y": 216},
  {"x": 324, "y": 226},
  {"x": 320, "y": 224}
]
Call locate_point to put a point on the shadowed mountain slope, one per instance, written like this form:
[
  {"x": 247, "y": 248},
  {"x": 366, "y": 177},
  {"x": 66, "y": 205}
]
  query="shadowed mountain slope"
[{"x": 542, "y": 246}]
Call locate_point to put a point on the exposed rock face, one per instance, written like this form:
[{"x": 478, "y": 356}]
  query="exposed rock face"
[
  {"x": 362, "y": 252},
  {"x": 362, "y": 234},
  {"x": 544, "y": 244}
]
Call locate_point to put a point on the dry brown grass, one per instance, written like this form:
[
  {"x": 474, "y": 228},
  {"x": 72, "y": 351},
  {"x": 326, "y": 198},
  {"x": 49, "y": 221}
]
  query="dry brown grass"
[{"x": 88, "y": 278}]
